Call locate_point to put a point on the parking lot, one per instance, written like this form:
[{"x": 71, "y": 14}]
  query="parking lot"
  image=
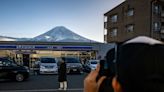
[{"x": 43, "y": 83}]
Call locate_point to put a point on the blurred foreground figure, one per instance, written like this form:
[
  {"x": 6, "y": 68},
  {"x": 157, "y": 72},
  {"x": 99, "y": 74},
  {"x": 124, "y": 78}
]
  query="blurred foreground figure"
[{"x": 139, "y": 68}]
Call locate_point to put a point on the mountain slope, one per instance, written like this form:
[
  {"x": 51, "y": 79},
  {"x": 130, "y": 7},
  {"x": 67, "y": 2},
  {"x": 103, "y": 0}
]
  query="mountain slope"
[
  {"x": 57, "y": 34},
  {"x": 4, "y": 38},
  {"x": 61, "y": 34}
]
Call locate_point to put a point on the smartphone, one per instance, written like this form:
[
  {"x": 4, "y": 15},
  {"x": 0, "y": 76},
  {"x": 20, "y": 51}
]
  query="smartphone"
[
  {"x": 107, "y": 68},
  {"x": 104, "y": 68}
]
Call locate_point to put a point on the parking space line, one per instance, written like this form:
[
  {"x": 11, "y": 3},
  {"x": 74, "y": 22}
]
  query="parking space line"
[{"x": 41, "y": 90}]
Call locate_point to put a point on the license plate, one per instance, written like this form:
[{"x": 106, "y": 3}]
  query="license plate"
[{"x": 74, "y": 69}]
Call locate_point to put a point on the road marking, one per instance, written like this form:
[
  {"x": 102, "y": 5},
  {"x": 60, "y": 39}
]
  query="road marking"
[{"x": 41, "y": 90}]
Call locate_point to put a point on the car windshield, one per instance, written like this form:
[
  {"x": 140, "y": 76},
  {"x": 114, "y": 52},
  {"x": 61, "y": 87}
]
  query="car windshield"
[
  {"x": 48, "y": 60},
  {"x": 6, "y": 62},
  {"x": 3, "y": 58},
  {"x": 93, "y": 62},
  {"x": 72, "y": 60}
]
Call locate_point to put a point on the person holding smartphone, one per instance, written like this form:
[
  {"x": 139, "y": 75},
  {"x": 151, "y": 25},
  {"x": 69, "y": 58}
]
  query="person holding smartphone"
[
  {"x": 90, "y": 83},
  {"x": 139, "y": 68}
]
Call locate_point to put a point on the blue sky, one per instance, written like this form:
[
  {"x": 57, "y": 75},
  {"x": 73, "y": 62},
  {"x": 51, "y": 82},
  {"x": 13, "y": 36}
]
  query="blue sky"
[{"x": 30, "y": 18}]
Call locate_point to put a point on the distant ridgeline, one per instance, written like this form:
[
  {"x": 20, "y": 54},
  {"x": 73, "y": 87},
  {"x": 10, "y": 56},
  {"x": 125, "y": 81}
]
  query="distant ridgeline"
[{"x": 57, "y": 34}]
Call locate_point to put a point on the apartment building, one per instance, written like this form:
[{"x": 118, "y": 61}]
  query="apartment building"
[{"x": 134, "y": 18}]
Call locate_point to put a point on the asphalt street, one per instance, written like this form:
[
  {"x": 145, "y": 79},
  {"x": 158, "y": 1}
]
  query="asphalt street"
[{"x": 43, "y": 83}]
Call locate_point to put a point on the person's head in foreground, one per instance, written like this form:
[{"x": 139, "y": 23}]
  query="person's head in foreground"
[{"x": 139, "y": 68}]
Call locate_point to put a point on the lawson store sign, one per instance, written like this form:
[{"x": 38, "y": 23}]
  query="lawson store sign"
[{"x": 43, "y": 47}]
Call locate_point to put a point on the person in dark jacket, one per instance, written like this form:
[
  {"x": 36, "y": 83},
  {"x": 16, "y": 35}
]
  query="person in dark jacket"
[
  {"x": 62, "y": 75},
  {"x": 139, "y": 67}
]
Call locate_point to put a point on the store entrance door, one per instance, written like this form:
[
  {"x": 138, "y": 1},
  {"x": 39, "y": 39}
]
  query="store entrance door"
[{"x": 26, "y": 59}]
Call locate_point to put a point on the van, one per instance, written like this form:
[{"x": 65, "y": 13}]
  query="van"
[{"x": 48, "y": 65}]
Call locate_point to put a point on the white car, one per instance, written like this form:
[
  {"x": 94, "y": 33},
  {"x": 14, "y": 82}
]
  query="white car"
[
  {"x": 48, "y": 65},
  {"x": 93, "y": 64}
]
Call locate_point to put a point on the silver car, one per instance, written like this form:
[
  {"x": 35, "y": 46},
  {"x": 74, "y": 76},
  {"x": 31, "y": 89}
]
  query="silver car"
[{"x": 48, "y": 65}]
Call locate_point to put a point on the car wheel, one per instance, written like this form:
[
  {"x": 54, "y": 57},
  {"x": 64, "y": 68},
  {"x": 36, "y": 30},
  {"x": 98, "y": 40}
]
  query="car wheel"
[
  {"x": 68, "y": 71},
  {"x": 19, "y": 77}
]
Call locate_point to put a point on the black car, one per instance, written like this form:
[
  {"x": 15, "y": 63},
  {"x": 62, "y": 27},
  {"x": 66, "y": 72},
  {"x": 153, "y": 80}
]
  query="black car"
[
  {"x": 86, "y": 68},
  {"x": 73, "y": 65},
  {"x": 10, "y": 70}
]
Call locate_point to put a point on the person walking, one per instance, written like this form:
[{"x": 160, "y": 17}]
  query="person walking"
[{"x": 62, "y": 75}]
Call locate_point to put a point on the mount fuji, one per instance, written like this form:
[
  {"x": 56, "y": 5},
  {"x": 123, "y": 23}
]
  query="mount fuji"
[
  {"x": 61, "y": 34},
  {"x": 57, "y": 34}
]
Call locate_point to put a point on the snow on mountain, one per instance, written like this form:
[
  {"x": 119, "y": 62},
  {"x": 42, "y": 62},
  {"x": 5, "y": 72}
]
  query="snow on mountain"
[
  {"x": 6, "y": 38},
  {"x": 3, "y": 38},
  {"x": 24, "y": 39},
  {"x": 61, "y": 34},
  {"x": 57, "y": 34}
]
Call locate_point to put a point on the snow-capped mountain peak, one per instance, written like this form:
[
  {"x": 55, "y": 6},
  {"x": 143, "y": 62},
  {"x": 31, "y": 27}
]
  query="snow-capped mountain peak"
[
  {"x": 60, "y": 34},
  {"x": 57, "y": 34},
  {"x": 47, "y": 37}
]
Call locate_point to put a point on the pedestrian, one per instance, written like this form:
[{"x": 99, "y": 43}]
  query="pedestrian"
[
  {"x": 62, "y": 75},
  {"x": 139, "y": 68},
  {"x": 84, "y": 61}
]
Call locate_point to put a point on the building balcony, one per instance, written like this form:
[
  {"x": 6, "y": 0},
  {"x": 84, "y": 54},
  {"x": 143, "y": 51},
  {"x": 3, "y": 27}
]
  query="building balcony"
[
  {"x": 105, "y": 25},
  {"x": 105, "y": 38}
]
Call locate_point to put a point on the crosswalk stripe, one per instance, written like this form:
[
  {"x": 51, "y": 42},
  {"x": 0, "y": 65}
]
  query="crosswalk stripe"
[{"x": 41, "y": 90}]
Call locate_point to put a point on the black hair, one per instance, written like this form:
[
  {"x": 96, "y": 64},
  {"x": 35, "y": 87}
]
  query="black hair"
[
  {"x": 110, "y": 57},
  {"x": 140, "y": 67},
  {"x": 63, "y": 58}
]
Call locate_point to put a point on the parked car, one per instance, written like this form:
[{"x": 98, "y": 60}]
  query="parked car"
[
  {"x": 73, "y": 65},
  {"x": 48, "y": 65},
  {"x": 10, "y": 70},
  {"x": 86, "y": 68},
  {"x": 93, "y": 64}
]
